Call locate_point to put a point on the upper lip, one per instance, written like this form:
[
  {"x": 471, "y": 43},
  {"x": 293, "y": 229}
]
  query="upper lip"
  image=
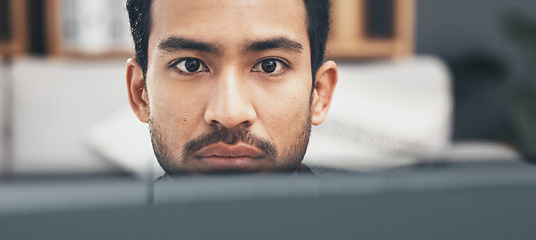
[{"x": 239, "y": 150}]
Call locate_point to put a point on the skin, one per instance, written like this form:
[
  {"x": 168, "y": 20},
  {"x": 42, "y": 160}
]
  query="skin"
[{"x": 231, "y": 90}]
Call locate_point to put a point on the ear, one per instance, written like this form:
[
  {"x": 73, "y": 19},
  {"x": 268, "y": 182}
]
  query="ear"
[
  {"x": 326, "y": 80},
  {"x": 137, "y": 95}
]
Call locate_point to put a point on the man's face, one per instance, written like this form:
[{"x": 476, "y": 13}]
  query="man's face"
[{"x": 228, "y": 85}]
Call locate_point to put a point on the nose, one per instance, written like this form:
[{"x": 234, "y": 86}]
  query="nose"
[{"x": 230, "y": 102}]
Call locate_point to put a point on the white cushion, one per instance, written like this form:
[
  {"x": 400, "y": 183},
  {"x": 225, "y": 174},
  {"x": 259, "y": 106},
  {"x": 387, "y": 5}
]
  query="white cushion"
[
  {"x": 385, "y": 114},
  {"x": 55, "y": 102},
  {"x": 126, "y": 141}
]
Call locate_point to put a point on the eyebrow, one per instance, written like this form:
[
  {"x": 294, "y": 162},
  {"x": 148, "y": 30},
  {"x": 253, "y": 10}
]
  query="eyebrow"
[
  {"x": 172, "y": 44},
  {"x": 274, "y": 43}
]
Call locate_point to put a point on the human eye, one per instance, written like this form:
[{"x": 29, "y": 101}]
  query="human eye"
[
  {"x": 189, "y": 65},
  {"x": 271, "y": 66}
]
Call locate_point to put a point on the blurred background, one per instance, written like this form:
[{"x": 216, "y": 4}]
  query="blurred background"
[
  {"x": 421, "y": 81},
  {"x": 432, "y": 127}
]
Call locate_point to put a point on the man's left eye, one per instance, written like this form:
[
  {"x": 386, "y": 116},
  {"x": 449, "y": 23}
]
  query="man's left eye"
[{"x": 272, "y": 66}]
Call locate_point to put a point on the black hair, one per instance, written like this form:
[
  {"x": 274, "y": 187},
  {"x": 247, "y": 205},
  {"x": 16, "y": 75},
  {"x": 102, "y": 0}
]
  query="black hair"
[
  {"x": 139, "y": 15},
  {"x": 318, "y": 20}
]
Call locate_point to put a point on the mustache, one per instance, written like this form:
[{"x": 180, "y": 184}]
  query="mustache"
[{"x": 229, "y": 136}]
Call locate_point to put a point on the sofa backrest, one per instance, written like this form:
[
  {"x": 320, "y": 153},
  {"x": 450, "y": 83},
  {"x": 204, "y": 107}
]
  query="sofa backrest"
[{"x": 54, "y": 103}]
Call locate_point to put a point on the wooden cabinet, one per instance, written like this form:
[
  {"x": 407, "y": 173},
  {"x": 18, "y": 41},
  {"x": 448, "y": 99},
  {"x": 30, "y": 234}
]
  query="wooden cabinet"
[
  {"x": 13, "y": 27},
  {"x": 371, "y": 29}
]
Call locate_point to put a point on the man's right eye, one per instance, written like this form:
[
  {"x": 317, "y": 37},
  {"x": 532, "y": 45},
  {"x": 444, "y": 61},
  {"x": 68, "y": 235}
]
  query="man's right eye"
[{"x": 191, "y": 65}]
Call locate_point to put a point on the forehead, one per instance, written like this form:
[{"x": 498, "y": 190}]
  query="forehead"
[{"x": 228, "y": 21}]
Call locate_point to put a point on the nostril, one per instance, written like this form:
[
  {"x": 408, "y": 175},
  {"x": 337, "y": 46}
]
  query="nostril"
[{"x": 246, "y": 123}]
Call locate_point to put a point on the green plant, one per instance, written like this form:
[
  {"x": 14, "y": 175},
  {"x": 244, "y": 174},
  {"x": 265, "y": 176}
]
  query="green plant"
[{"x": 521, "y": 30}]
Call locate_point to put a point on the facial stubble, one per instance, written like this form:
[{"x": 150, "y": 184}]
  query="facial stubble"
[{"x": 288, "y": 162}]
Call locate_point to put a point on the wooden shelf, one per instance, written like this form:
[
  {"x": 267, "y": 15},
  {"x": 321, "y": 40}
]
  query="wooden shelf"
[
  {"x": 17, "y": 43},
  {"x": 22, "y": 23},
  {"x": 348, "y": 37},
  {"x": 57, "y": 47}
]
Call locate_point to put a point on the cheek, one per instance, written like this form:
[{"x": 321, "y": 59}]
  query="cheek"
[
  {"x": 172, "y": 102},
  {"x": 286, "y": 114},
  {"x": 174, "y": 114}
]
